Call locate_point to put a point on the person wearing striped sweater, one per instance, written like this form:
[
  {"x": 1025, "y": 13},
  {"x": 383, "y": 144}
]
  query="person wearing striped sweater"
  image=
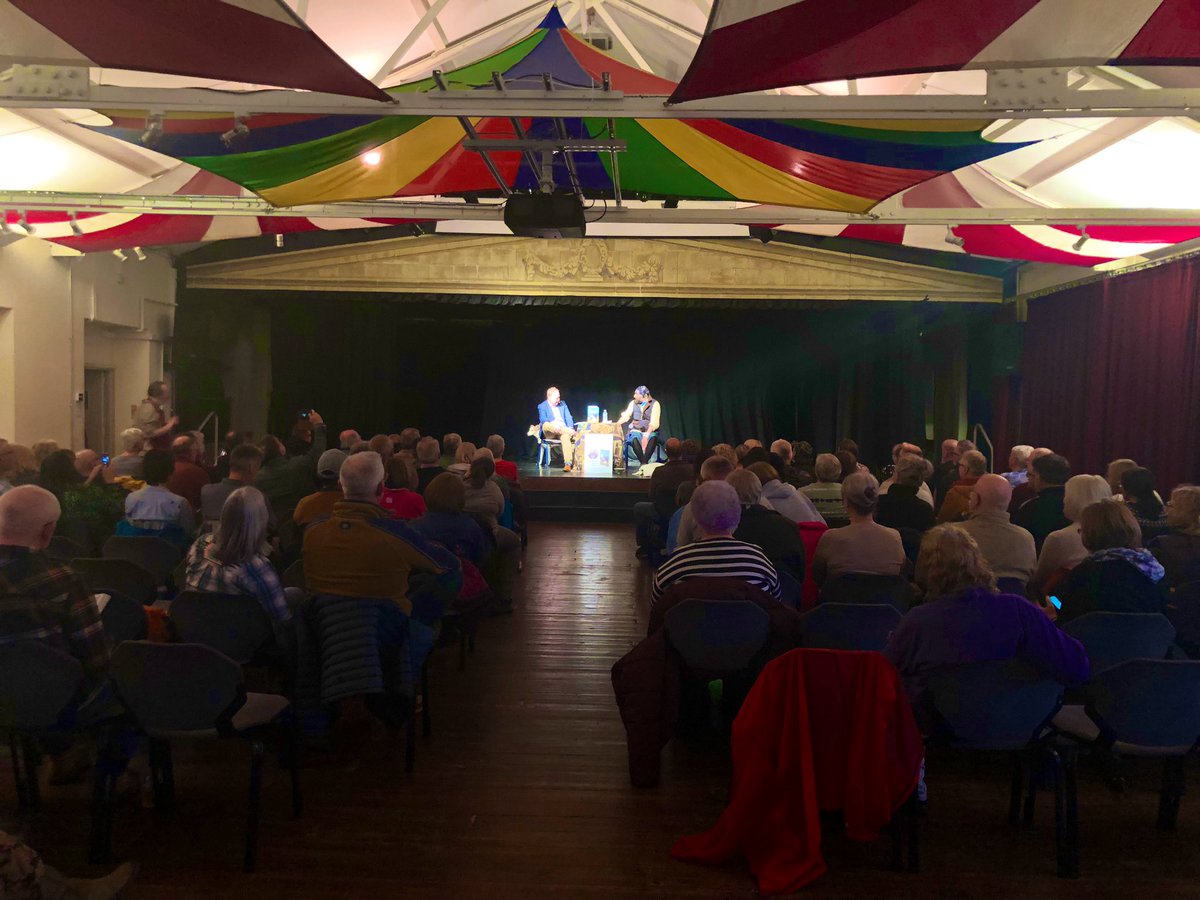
[{"x": 716, "y": 554}]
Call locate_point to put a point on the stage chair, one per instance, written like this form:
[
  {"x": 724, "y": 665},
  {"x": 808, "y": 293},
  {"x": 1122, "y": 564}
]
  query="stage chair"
[
  {"x": 156, "y": 556},
  {"x": 1111, "y": 638},
  {"x": 189, "y": 691},
  {"x": 123, "y": 619},
  {"x": 545, "y": 447}
]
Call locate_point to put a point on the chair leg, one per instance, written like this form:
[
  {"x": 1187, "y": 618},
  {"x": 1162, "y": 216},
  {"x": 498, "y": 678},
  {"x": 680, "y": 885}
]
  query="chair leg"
[
  {"x": 1071, "y": 776},
  {"x": 1066, "y": 818},
  {"x": 291, "y": 744},
  {"x": 426, "y": 722},
  {"x": 1017, "y": 789},
  {"x": 410, "y": 737},
  {"x": 256, "y": 759},
  {"x": 914, "y": 827},
  {"x": 18, "y": 768},
  {"x": 31, "y": 758},
  {"x": 162, "y": 775},
  {"x": 1171, "y": 793},
  {"x": 104, "y": 785},
  {"x": 1030, "y": 763},
  {"x": 462, "y": 649}
]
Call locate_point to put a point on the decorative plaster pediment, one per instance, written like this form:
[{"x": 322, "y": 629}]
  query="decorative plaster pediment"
[{"x": 732, "y": 268}]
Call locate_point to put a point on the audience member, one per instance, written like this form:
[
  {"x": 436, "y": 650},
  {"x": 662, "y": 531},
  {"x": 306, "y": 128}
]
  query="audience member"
[
  {"x": 804, "y": 458},
  {"x": 24, "y": 876},
  {"x": 1138, "y": 493},
  {"x": 42, "y": 450},
  {"x": 382, "y": 444},
  {"x": 903, "y": 506},
  {"x": 826, "y": 491},
  {"x": 128, "y": 462},
  {"x": 726, "y": 451},
  {"x": 84, "y": 503},
  {"x": 88, "y": 464},
  {"x": 188, "y": 478},
  {"x": 664, "y": 482},
  {"x": 1179, "y": 549},
  {"x": 782, "y": 497},
  {"x": 428, "y": 466},
  {"x": 1116, "y": 469},
  {"x": 483, "y": 500},
  {"x": 446, "y": 523},
  {"x": 965, "y": 620},
  {"x": 462, "y": 462},
  {"x": 286, "y": 475},
  {"x": 233, "y": 558},
  {"x": 1018, "y": 464},
  {"x": 154, "y": 510},
  {"x": 1024, "y": 491},
  {"x": 498, "y": 480},
  {"x": 1117, "y": 576},
  {"x": 782, "y": 458},
  {"x": 151, "y": 417},
  {"x": 450, "y": 445},
  {"x": 848, "y": 464},
  {"x": 972, "y": 465},
  {"x": 1063, "y": 549},
  {"x": 245, "y": 461},
  {"x": 716, "y": 553},
  {"x": 405, "y": 443},
  {"x": 715, "y": 468},
  {"x": 347, "y": 439},
  {"x": 505, "y": 468},
  {"x": 319, "y": 504},
  {"x": 17, "y": 466},
  {"x": 899, "y": 452},
  {"x": 753, "y": 455},
  {"x": 1007, "y": 548},
  {"x": 400, "y": 498},
  {"x": 43, "y": 600},
  {"x": 863, "y": 545},
  {"x": 776, "y": 536},
  {"x": 947, "y": 473},
  {"x": 360, "y": 552},
  {"x": 1044, "y": 513},
  {"x": 849, "y": 446}
]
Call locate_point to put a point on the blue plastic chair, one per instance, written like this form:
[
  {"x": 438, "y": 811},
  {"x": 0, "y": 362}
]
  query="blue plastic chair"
[
  {"x": 849, "y": 626},
  {"x": 1111, "y": 638},
  {"x": 717, "y": 637},
  {"x": 545, "y": 446},
  {"x": 863, "y": 587}
]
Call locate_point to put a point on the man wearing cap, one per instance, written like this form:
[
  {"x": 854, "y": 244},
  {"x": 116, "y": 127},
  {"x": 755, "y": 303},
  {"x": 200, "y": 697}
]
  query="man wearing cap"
[
  {"x": 642, "y": 414},
  {"x": 319, "y": 505}
]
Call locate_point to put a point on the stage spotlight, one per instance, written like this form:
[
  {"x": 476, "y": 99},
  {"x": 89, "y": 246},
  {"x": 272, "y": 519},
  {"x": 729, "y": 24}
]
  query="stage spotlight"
[
  {"x": 279, "y": 241},
  {"x": 154, "y": 130},
  {"x": 120, "y": 254},
  {"x": 416, "y": 230},
  {"x": 372, "y": 158},
  {"x": 952, "y": 238},
  {"x": 24, "y": 223},
  {"x": 75, "y": 229},
  {"x": 138, "y": 252},
  {"x": 1084, "y": 237},
  {"x": 239, "y": 131}
]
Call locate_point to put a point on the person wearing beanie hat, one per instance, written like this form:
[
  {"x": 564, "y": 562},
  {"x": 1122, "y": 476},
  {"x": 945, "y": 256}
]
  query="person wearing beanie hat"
[{"x": 319, "y": 505}]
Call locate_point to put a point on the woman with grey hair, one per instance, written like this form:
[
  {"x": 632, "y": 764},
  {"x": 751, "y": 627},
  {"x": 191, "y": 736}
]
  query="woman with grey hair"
[
  {"x": 777, "y": 536},
  {"x": 716, "y": 553},
  {"x": 972, "y": 466},
  {"x": 233, "y": 558},
  {"x": 1063, "y": 549},
  {"x": 902, "y": 505},
  {"x": 129, "y": 461},
  {"x": 863, "y": 546},
  {"x": 826, "y": 492}
]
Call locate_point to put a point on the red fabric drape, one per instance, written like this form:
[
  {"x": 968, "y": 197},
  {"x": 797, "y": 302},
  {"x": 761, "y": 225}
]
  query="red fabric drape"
[{"x": 1112, "y": 369}]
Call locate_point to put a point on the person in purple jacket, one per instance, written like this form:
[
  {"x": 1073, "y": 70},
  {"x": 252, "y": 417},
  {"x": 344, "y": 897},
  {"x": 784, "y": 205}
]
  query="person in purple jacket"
[{"x": 965, "y": 620}]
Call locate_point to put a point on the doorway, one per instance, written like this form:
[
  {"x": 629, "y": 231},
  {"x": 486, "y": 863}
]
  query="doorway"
[{"x": 98, "y": 433}]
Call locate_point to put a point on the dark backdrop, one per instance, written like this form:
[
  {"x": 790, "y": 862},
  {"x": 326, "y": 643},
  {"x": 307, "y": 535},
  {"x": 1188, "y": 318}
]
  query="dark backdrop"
[{"x": 819, "y": 371}]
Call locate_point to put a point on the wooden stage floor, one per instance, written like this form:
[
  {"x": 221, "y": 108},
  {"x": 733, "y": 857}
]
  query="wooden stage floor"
[{"x": 523, "y": 792}]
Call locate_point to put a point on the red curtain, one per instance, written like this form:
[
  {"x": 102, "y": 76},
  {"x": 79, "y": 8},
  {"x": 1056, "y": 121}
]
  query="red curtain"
[{"x": 1112, "y": 369}]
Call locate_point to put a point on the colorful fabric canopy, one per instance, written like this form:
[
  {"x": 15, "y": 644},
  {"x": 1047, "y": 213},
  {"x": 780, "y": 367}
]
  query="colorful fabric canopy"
[
  {"x": 249, "y": 41},
  {"x": 847, "y": 166},
  {"x": 754, "y": 45}
]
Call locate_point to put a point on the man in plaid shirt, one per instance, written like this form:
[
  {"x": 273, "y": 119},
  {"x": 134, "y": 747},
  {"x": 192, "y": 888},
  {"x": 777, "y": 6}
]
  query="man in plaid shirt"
[{"x": 41, "y": 600}]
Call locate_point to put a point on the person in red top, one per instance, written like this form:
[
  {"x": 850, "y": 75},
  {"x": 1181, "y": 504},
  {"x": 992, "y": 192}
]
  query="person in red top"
[
  {"x": 399, "y": 498},
  {"x": 506, "y": 469},
  {"x": 188, "y": 477}
]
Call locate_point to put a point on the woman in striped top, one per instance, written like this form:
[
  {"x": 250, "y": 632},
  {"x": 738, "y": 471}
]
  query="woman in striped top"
[{"x": 717, "y": 512}]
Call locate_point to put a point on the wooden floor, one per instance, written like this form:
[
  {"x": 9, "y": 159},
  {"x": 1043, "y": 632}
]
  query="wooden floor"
[{"x": 522, "y": 791}]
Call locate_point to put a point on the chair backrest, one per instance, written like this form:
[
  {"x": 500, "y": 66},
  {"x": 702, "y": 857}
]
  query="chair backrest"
[
  {"x": 235, "y": 624},
  {"x": 1111, "y": 638},
  {"x": 65, "y": 549},
  {"x": 664, "y": 501},
  {"x": 293, "y": 576},
  {"x": 156, "y": 556},
  {"x": 123, "y": 619},
  {"x": 863, "y": 587},
  {"x": 1183, "y": 609},
  {"x": 789, "y": 590},
  {"x": 176, "y": 687},
  {"x": 717, "y": 636},
  {"x": 994, "y": 705},
  {"x": 849, "y": 626},
  {"x": 119, "y": 575},
  {"x": 1152, "y": 703},
  {"x": 38, "y": 687}
]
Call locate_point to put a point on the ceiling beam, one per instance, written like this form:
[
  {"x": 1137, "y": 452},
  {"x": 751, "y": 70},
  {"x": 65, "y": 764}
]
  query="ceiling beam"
[
  {"x": 104, "y": 146},
  {"x": 1080, "y": 149},
  {"x": 655, "y": 18},
  {"x": 575, "y": 103},
  {"x": 439, "y": 33},
  {"x": 687, "y": 213},
  {"x": 619, "y": 34},
  {"x": 431, "y": 14}
]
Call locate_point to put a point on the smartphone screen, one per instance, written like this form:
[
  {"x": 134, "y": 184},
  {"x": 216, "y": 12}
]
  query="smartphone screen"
[
  {"x": 1055, "y": 602},
  {"x": 105, "y": 458},
  {"x": 304, "y": 413}
]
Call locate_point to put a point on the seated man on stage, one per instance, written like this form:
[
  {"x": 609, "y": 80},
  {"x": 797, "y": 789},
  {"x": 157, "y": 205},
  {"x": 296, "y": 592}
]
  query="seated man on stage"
[
  {"x": 554, "y": 418},
  {"x": 642, "y": 414}
]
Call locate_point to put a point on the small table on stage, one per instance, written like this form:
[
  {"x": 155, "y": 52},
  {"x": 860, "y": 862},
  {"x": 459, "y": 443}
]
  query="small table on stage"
[{"x": 579, "y": 464}]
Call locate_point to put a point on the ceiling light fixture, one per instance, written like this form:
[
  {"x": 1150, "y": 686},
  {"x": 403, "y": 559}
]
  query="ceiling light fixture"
[
  {"x": 75, "y": 229},
  {"x": 372, "y": 157},
  {"x": 952, "y": 238},
  {"x": 140, "y": 254},
  {"x": 120, "y": 254},
  {"x": 279, "y": 241},
  {"x": 1084, "y": 237},
  {"x": 239, "y": 131},
  {"x": 154, "y": 129}
]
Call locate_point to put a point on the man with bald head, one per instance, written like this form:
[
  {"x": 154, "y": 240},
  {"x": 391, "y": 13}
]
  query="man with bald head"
[
  {"x": 1009, "y": 549},
  {"x": 41, "y": 600}
]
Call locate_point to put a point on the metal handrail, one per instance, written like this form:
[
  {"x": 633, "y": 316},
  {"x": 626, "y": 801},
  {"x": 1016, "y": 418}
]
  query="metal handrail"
[
  {"x": 975, "y": 433},
  {"x": 216, "y": 441}
]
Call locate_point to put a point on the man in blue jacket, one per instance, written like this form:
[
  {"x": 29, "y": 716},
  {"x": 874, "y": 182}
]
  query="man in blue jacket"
[{"x": 554, "y": 418}]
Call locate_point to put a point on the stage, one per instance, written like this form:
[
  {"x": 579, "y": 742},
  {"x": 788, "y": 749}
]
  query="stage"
[{"x": 557, "y": 496}]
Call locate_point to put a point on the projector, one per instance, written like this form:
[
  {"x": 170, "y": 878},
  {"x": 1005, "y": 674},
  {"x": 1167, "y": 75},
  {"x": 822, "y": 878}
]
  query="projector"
[{"x": 544, "y": 215}]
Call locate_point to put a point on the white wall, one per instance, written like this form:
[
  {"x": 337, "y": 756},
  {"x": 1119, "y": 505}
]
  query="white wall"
[{"x": 60, "y": 313}]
